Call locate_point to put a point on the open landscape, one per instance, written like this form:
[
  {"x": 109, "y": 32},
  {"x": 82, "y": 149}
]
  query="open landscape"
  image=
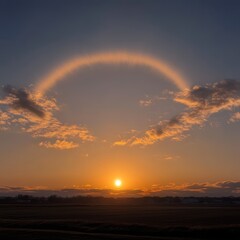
[{"x": 122, "y": 219}]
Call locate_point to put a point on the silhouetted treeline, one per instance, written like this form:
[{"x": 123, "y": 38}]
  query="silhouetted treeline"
[{"x": 54, "y": 199}]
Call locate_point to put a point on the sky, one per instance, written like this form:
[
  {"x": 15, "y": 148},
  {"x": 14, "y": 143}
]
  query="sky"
[{"x": 143, "y": 91}]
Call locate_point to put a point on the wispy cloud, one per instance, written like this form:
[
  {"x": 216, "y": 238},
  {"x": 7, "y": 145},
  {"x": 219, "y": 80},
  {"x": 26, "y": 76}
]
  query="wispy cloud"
[
  {"x": 150, "y": 100},
  {"x": 59, "y": 144},
  {"x": 129, "y": 58},
  {"x": 122, "y": 142},
  {"x": 145, "y": 102},
  {"x": 35, "y": 115},
  {"x": 235, "y": 117},
  {"x": 169, "y": 157},
  {"x": 4, "y": 117},
  {"x": 201, "y": 102}
]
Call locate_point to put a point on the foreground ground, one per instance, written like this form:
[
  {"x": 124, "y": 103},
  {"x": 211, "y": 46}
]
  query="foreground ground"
[{"x": 54, "y": 221}]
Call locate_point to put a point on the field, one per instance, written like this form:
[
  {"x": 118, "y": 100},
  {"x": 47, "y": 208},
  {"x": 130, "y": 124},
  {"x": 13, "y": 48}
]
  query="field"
[{"x": 70, "y": 221}]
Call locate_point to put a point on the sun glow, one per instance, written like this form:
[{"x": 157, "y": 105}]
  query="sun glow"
[{"x": 118, "y": 183}]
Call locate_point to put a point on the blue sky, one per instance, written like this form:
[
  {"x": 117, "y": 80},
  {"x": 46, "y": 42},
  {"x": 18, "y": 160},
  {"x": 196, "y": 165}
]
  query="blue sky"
[{"x": 199, "y": 37}]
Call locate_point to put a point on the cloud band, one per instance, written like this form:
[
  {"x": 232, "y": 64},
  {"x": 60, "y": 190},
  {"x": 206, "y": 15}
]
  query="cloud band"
[{"x": 110, "y": 58}]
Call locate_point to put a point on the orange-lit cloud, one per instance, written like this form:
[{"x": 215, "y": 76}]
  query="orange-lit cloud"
[
  {"x": 216, "y": 189},
  {"x": 121, "y": 142},
  {"x": 59, "y": 144},
  {"x": 33, "y": 111},
  {"x": 145, "y": 102},
  {"x": 3, "y": 117},
  {"x": 201, "y": 102},
  {"x": 148, "y": 101},
  {"x": 129, "y": 58},
  {"x": 35, "y": 116},
  {"x": 235, "y": 117}
]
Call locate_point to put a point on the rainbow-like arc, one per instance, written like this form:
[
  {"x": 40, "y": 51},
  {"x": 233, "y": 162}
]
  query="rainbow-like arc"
[{"x": 129, "y": 58}]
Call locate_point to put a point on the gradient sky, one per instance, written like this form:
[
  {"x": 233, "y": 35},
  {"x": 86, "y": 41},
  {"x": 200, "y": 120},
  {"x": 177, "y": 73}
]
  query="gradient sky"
[{"x": 200, "y": 39}]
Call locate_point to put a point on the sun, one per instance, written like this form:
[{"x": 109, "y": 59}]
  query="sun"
[{"x": 118, "y": 183}]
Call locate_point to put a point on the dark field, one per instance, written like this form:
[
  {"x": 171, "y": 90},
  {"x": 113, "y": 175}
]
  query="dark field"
[{"x": 55, "y": 221}]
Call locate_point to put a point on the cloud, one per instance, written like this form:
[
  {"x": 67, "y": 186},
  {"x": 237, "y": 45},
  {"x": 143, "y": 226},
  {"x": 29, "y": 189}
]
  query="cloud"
[
  {"x": 145, "y": 102},
  {"x": 235, "y": 117},
  {"x": 201, "y": 102},
  {"x": 148, "y": 101},
  {"x": 229, "y": 184},
  {"x": 121, "y": 143},
  {"x": 59, "y": 144},
  {"x": 22, "y": 99},
  {"x": 35, "y": 115},
  {"x": 169, "y": 157},
  {"x": 4, "y": 117},
  {"x": 216, "y": 189},
  {"x": 69, "y": 192},
  {"x": 129, "y": 58}
]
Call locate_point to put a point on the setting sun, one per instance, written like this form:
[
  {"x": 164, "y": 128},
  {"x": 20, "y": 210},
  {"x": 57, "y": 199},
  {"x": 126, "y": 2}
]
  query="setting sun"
[{"x": 118, "y": 183}]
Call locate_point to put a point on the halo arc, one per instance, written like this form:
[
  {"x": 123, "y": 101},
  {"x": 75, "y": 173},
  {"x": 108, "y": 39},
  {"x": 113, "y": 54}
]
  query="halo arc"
[{"x": 129, "y": 58}]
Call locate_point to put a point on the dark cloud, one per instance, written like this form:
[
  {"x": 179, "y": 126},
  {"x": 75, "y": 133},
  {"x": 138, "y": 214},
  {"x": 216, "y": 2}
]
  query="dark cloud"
[
  {"x": 69, "y": 192},
  {"x": 34, "y": 114},
  {"x": 229, "y": 184},
  {"x": 217, "y": 189},
  {"x": 23, "y": 100},
  {"x": 201, "y": 103},
  {"x": 212, "y": 96}
]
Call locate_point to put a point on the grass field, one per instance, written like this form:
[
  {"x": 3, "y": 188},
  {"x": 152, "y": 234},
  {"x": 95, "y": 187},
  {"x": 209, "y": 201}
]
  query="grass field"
[{"x": 54, "y": 221}]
